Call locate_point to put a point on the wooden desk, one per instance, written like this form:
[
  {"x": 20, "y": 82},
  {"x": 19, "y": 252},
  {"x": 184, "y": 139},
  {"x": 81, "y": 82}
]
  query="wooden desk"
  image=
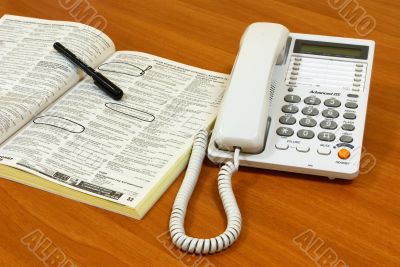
[{"x": 359, "y": 221}]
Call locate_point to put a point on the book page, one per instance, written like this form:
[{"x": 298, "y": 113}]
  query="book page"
[
  {"x": 120, "y": 150},
  {"x": 32, "y": 73}
]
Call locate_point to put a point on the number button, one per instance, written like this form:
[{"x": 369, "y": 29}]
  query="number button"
[
  {"x": 348, "y": 127},
  {"x": 305, "y": 134},
  {"x": 330, "y": 113},
  {"x": 290, "y": 109},
  {"x": 284, "y": 131},
  {"x": 325, "y": 136},
  {"x": 310, "y": 111},
  {"x": 329, "y": 125},
  {"x": 349, "y": 116},
  {"x": 312, "y": 100},
  {"x": 292, "y": 98},
  {"x": 289, "y": 120},
  {"x": 332, "y": 103},
  {"x": 306, "y": 122}
]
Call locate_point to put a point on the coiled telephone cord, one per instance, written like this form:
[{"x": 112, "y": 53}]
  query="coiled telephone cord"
[{"x": 234, "y": 218}]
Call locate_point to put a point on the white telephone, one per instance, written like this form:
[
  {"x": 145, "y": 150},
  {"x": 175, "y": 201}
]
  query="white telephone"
[{"x": 295, "y": 102}]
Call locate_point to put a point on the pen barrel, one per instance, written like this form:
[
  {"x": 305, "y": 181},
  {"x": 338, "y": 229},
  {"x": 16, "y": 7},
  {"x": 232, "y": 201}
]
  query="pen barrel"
[
  {"x": 73, "y": 58},
  {"x": 99, "y": 79},
  {"x": 110, "y": 88}
]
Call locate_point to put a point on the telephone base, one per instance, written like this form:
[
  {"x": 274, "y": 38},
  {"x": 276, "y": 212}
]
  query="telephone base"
[{"x": 277, "y": 160}]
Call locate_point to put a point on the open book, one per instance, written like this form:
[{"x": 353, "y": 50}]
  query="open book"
[{"x": 62, "y": 134}]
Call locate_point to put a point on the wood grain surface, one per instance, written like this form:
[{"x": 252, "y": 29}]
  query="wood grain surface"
[{"x": 357, "y": 222}]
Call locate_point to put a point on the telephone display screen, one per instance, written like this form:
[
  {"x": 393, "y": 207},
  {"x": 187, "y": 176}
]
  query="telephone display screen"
[{"x": 331, "y": 49}]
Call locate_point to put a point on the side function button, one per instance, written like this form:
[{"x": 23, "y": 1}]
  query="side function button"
[
  {"x": 284, "y": 131},
  {"x": 289, "y": 120},
  {"x": 282, "y": 146},
  {"x": 312, "y": 100},
  {"x": 329, "y": 125},
  {"x": 305, "y": 134},
  {"x": 351, "y": 105},
  {"x": 306, "y": 122},
  {"x": 303, "y": 149},
  {"x": 332, "y": 103},
  {"x": 352, "y": 95},
  {"x": 324, "y": 151},
  {"x": 292, "y": 98},
  {"x": 346, "y": 139},
  {"x": 325, "y": 136},
  {"x": 330, "y": 113},
  {"x": 310, "y": 111},
  {"x": 344, "y": 153},
  {"x": 349, "y": 116},
  {"x": 348, "y": 127},
  {"x": 290, "y": 109}
]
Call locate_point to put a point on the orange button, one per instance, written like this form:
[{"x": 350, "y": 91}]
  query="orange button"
[{"x": 344, "y": 153}]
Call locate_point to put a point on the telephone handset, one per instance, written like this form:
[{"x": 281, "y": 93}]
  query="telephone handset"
[
  {"x": 242, "y": 118},
  {"x": 294, "y": 102}
]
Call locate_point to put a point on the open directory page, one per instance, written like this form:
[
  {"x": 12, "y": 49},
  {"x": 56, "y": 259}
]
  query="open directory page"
[
  {"x": 119, "y": 150},
  {"x": 32, "y": 73}
]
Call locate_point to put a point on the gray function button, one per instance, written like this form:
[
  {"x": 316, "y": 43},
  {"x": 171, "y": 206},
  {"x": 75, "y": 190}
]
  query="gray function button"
[
  {"x": 348, "y": 127},
  {"x": 329, "y": 125},
  {"x": 332, "y": 103},
  {"x": 325, "y": 136},
  {"x": 292, "y": 98},
  {"x": 346, "y": 139},
  {"x": 312, "y": 100},
  {"x": 310, "y": 111},
  {"x": 305, "y": 134},
  {"x": 351, "y": 105},
  {"x": 284, "y": 131},
  {"x": 330, "y": 113},
  {"x": 290, "y": 109},
  {"x": 306, "y": 122},
  {"x": 352, "y": 95},
  {"x": 349, "y": 116},
  {"x": 287, "y": 120}
]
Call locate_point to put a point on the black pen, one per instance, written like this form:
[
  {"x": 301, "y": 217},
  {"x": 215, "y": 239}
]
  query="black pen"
[{"x": 101, "y": 81}]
